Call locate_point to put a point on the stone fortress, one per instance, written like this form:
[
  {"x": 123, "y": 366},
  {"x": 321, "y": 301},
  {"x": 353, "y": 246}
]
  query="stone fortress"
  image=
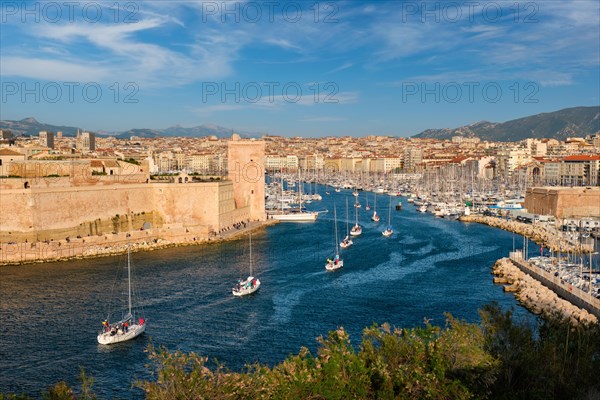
[{"x": 65, "y": 202}]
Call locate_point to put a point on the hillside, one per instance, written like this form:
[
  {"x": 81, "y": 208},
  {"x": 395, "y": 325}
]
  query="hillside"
[
  {"x": 569, "y": 122},
  {"x": 30, "y": 126}
]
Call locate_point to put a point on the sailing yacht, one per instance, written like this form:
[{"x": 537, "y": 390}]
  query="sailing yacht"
[
  {"x": 127, "y": 328},
  {"x": 368, "y": 207},
  {"x": 337, "y": 262},
  {"x": 356, "y": 229},
  {"x": 250, "y": 284},
  {"x": 388, "y": 231},
  {"x": 375, "y": 217},
  {"x": 347, "y": 242}
]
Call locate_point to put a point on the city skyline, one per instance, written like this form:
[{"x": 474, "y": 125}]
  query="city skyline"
[{"x": 292, "y": 68}]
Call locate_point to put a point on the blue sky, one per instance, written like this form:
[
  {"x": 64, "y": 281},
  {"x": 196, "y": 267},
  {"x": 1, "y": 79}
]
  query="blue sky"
[{"x": 293, "y": 68}]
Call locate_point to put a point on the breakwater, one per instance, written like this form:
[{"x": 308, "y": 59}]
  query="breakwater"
[
  {"x": 550, "y": 239},
  {"x": 537, "y": 291}
]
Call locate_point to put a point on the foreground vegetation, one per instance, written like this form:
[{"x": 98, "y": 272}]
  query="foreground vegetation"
[{"x": 500, "y": 358}]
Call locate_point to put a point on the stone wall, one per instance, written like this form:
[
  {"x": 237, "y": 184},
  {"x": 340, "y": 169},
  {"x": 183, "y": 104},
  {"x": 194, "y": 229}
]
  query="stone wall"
[
  {"x": 43, "y": 213},
  {"x": 564, "y": 202},
  {"x": 246, "y": 169}
]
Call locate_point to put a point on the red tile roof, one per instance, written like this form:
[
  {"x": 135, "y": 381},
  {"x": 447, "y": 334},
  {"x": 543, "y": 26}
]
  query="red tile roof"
[{"x": 582, "y": 158}]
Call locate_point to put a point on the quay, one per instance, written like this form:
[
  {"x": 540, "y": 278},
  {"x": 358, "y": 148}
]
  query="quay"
[
  {"x": 543, "y": 293},
  {"x": 115, "y": 244}
]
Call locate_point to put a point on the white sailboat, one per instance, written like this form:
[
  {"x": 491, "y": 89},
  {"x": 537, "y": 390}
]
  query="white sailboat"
[
  {"x": 388, "y": 230},
  {"x": 127, "y": 328},
  {"x": 337, "y": 262},
  {"x": 250, "y": 284},
  {"x": 347, "y": 242},
  {"x": 356, "y": 229},
  {"x": 375, "y": 217}
]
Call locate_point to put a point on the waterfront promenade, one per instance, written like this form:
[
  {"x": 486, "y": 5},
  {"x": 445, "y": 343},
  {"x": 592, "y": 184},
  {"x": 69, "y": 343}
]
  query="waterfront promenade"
[{"x": 114, "y": 244}]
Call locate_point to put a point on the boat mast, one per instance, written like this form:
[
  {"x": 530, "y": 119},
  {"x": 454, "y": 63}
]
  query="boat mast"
[
  {"x": 390, "y": 213},
  {"x": 281, "y": 172},
  {"x": 129, "y": 274},
  {"x": 335, "y": 226},
  {"x": 300, "y": 189},
  {"x": 250, "y": 254},
  {"x": 347, "y": 219}
]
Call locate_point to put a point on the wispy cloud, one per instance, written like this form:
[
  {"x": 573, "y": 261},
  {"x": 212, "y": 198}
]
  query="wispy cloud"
[
  {"x": 341, "y": 67},
  {"x": 323, "y": 119},
  {"x": 54, "y": 70}
]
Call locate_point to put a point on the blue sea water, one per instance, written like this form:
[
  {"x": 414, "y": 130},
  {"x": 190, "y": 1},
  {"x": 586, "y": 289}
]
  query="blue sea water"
[{"x": 50, "y": 313}]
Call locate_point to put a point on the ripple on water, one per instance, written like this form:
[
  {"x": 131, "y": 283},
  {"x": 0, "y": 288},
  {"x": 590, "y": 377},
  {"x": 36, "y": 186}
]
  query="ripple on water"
[{"x": 49, "y": 314}]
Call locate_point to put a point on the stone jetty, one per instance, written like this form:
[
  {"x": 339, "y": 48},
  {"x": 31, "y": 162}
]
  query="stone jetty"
[
  {"x": 550, "y": 239},
  {"x": 536, "y": 297}
]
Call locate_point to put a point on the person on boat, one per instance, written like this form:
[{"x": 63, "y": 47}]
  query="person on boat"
[{"x": 126, "y": 327}]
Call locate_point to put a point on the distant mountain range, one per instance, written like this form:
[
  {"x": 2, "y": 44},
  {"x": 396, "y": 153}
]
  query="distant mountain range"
[
  {"x": 569, "y": 122},
  {"x": 30, "y": 126},
  {"x": 178, "y": 130},
  {"x": 578, "y": 122}
]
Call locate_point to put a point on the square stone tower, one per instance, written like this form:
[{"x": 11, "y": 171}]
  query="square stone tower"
[{"x": 246, "y": 169}]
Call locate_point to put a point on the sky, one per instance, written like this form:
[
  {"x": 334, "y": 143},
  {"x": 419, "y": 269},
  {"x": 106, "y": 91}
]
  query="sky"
[{"x": 296, "y": 68}]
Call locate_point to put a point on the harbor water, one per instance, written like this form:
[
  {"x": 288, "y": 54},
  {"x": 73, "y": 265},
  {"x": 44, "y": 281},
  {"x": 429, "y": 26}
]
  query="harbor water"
[{"x": 51, "y": 313}]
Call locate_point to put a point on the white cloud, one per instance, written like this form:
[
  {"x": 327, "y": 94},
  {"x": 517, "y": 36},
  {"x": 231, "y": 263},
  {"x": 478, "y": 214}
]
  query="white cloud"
[{"x": 54, "y": 70}]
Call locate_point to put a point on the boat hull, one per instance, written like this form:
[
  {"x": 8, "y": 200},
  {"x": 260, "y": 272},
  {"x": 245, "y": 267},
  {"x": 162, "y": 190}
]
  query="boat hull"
[
  {"x": 332, "y": 266},
  {"x": 246, "y": 289},
  {"x": 134, "y": 331},
  {"x": 298, "y": 217},
  {"x": 346, "y": 245},
  {"x": 356, "y": 231}
]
